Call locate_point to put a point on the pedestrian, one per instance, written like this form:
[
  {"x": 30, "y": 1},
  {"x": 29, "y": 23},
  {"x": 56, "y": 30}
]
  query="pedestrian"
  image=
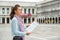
[{"x": 17, "y": 25}]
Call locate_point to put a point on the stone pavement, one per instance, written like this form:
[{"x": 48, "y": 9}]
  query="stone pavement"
[
  {"x": 46, "y": 32},
  {"x": 42, "y": 32},
  {"x": 5, "y": 32}
]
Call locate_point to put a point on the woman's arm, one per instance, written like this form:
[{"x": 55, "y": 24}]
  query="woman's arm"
[
  {"x": 25, "y": 15},
  {"x": 15, "y": 28}
]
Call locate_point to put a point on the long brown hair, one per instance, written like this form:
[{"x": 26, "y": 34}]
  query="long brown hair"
[{"x": 13, "y": 11}]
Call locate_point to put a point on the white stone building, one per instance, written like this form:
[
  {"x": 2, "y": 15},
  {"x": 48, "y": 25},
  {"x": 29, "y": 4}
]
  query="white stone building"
[
  {"x": 43, "y": 12},
  {"x": 27, "y": 7},
  {"x": 49, "y": 12}
]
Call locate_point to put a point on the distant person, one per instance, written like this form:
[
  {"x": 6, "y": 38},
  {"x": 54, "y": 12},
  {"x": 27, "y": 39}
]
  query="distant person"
[{"x": 17, "y": 25}]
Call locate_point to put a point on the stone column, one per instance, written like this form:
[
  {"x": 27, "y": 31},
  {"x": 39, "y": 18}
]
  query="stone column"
[
  {"x": 42, "y": 20},
  {"x": 0, "y": 19},
  {"x": 5, "y": 20},
  {"x": 27, "y": 20},
  {"x": 55, "y": 20},
  {"x": 30, "y": 10},
  {"x": 27, "y": 10},
  {"x": 38, "y": 20},
  {"x": 31, "y": 20},
  {"x": 23, "y": 10}
]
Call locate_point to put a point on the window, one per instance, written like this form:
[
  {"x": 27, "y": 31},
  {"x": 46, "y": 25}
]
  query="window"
[
  {"x": 25, "y": 11},
  {"x": 7, "y": 10},
  {"x": 29, "y": 20},
  {"x": 29, "y": 11},
  {"x": 56, "y": 20},
  {"x": 32, "y": 11},
  {"x": 32, "y": 19},
  {"x": 25, "y": 20},
  {"x": 39, "y": 20},
  {"x": 3, "y": 20},
  {"x": 7, "y": 20},
  {"x": 3, "y": 10}
]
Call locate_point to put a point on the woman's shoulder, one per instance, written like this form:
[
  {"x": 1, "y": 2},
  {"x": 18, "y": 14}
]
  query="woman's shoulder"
[{"x": 14, "y": 19}]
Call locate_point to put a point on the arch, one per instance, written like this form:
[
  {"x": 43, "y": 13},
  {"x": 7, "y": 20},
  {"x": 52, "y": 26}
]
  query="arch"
[{"x": 59, "y": 19}]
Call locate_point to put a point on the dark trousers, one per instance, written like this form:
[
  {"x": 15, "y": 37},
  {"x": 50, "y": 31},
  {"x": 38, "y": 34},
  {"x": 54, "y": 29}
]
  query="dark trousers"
[{"x": 17, "y": 38}]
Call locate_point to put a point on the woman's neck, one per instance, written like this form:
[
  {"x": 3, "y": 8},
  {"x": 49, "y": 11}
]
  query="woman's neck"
[{"x": 17, "y": 15}]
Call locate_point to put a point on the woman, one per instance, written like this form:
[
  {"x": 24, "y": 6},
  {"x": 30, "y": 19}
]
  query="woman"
[{"x": 17, "y": 26}]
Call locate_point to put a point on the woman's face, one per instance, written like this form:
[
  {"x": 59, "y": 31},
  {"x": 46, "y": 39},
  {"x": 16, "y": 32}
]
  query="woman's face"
[{"x": 19, "y": 11}]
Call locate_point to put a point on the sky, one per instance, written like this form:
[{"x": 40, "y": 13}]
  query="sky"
[{"x": 24, "y": 0}]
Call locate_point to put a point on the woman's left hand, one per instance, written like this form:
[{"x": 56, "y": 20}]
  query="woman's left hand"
[{"x": 28, "y": 15}]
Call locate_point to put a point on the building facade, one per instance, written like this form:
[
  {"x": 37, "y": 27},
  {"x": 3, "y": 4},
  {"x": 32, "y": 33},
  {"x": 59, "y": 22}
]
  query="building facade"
[
  {"x": 47, "y": 12},
  {"x": 27, "y": 7}
]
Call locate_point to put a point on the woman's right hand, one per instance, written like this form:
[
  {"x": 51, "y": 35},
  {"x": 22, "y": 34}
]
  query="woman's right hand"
[{"x": 28, "y": 33}]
